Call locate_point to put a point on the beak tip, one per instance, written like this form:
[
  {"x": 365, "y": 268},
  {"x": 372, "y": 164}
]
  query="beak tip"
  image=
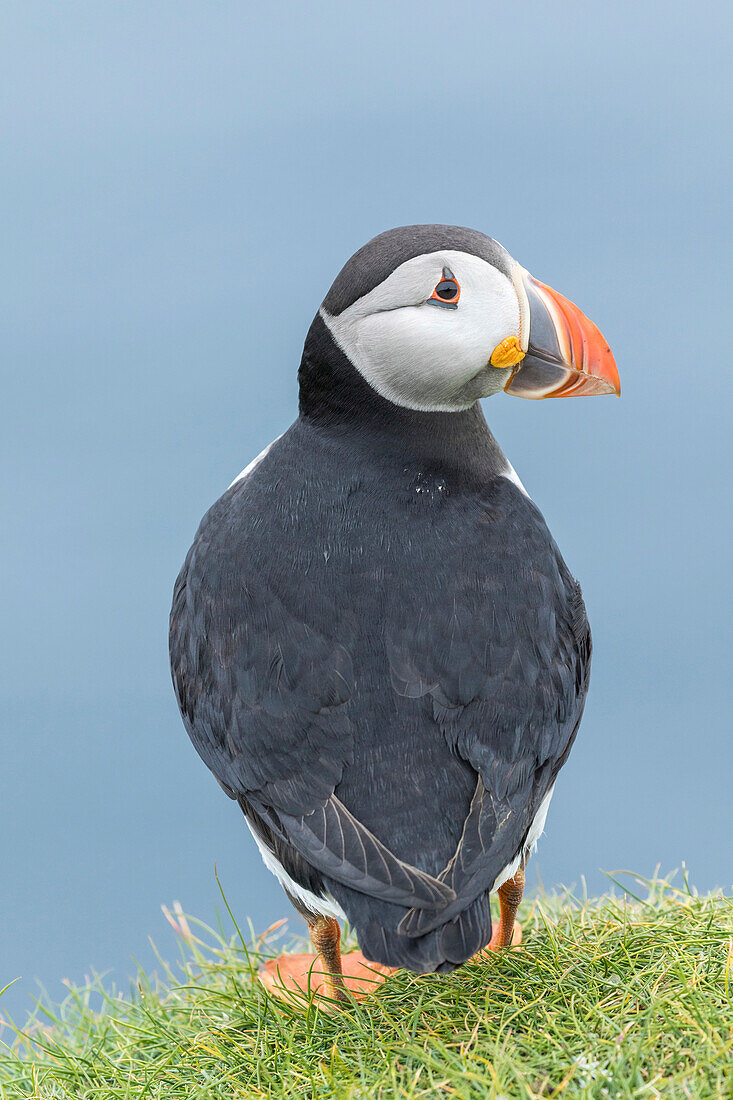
[{"x": 570, "y": 357}]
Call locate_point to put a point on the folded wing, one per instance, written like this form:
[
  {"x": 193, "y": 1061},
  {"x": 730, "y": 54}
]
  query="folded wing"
[{"x": 263, "y": 680}]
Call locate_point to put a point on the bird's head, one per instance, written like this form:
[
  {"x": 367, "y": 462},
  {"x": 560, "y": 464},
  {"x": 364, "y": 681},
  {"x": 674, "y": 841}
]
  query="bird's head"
[{"x": 434, "y": 317}]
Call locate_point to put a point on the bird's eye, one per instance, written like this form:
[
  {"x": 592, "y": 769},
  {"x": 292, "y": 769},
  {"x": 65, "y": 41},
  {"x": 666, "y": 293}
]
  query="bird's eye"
[{"x": 447, "y": 292}]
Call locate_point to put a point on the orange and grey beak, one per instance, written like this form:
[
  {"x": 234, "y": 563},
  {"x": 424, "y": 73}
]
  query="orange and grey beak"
[{"x": 566, "y": 355}]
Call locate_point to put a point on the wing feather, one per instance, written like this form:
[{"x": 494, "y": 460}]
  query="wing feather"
[
  {"x": 506, "y": 660},
  {"x": 263, "y": 676},
  {"x": 340, "y": 846}
]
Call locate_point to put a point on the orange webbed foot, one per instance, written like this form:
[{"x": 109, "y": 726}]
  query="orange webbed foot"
[{"x": 292, "y": 977}]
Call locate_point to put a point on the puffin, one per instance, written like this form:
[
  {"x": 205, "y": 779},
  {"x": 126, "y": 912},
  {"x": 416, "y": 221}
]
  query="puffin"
[{"x": 376, "y": 646}]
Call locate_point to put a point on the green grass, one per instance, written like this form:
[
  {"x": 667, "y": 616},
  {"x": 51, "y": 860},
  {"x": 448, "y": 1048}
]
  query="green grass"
[{"x": 622, "y": 996}]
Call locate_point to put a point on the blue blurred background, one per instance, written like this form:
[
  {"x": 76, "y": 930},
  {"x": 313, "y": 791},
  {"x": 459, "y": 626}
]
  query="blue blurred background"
[{"x": 182, "y": 182}]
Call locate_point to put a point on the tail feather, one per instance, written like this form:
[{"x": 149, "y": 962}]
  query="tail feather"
[
  {"x": 466, "y": 934},
  {"x": 439, "y": 951}
]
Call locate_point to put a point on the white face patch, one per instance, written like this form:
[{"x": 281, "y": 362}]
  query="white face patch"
[{"x": 419, "y": 355}]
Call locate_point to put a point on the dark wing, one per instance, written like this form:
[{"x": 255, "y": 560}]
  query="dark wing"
[
  {"x": 262, "y": 671},
  {"x": 504, "y": 654},
  {"x": 334, "y": 842}
]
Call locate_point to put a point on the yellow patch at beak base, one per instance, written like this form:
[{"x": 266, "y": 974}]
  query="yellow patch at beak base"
[{"x": 507, "y": 354}]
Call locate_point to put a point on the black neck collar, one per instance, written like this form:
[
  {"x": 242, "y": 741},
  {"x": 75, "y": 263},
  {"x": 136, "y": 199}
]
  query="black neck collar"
[{"x": 335, "y": 397}]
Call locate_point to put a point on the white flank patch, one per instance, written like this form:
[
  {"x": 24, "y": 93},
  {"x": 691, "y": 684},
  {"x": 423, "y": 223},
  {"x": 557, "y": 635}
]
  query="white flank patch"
[
  {"x": 325, "y": 907},
  {"x": 508, "y": 872},
  {"x": 254, "y": 462},
  {"x": 536, "y": 830},
  {"x": 537, "y": 827},
  {"x": 511, "y": 475}
]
